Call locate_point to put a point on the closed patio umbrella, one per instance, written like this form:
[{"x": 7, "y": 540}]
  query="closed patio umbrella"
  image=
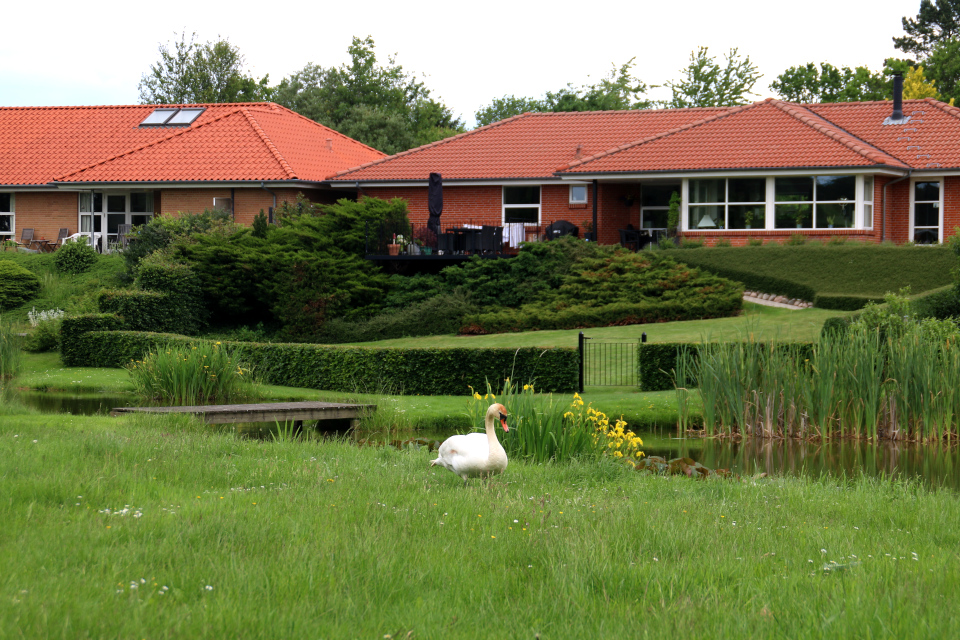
[{"x": 435, "y": 202}]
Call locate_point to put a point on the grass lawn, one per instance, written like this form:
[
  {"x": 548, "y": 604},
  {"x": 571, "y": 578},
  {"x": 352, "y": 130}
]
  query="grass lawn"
[{"x": 158, "y": 528}]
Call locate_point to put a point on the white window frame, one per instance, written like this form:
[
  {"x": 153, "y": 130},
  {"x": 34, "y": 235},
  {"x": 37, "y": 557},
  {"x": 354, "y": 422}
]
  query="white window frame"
[
  {"x": 12, "y": 234},
  {"x": 938, "y": 203},
  {"x": 107, "y": 238},
  {"x": 572, "y": 200},
  {"x": 504, "y": 206},
  {"x": 726, "y": 204},
  {"x": 769, "y": 222}
]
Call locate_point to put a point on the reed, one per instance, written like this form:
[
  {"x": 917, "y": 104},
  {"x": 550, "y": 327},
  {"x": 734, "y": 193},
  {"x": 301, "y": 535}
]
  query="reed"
[
  {"x": 204, "y": 373},
  {"x": 902, "y": 383},
  {"x": 10, "y": 352}
]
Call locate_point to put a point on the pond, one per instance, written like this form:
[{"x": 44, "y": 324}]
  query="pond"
[{"x": 937, "y": 466}]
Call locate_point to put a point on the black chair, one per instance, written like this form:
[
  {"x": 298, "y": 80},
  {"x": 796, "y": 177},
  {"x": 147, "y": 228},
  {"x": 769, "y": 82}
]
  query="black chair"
[
  {"x": 561, "y": 228},
  {"x": 445, "y": 243},
  {"x": 491, "y": 239},
  {"x": 630, "y": 239}
]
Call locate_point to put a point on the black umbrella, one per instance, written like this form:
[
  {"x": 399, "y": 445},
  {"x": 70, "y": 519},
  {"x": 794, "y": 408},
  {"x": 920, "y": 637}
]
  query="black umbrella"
[{"x": 435, "y": 202}]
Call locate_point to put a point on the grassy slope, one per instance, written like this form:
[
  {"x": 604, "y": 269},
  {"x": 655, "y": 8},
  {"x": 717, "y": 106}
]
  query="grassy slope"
[
  {"x": 851, "y": 269},
  {"x": 226, "y": 537}
]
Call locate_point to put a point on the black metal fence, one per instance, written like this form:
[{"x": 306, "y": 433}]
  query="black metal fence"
[
  {"x": 406, "y": 239},
  {"x": 608, "y": 364}
]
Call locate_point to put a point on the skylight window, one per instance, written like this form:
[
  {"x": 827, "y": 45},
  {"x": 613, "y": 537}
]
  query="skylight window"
[{"x": 171, "y": 117}]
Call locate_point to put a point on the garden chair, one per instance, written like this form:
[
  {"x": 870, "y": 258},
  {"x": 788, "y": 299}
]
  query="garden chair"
[
  {"x": 26, "y": 238},
  {"x": 61, "y": 238},
  {"x": 123, "y": 232},
  {"x": 630, "y": 239}
]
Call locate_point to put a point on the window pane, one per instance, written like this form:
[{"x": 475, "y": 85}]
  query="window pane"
[
  {"x": 657, "y": 195},
  {"x": 794, "y": 189},
  {"x": 836, "y": 188},
  {"x": 529, "y": 215},
  {"x": 707, "y": 191},
  {"x": 578, "y": 194},
  {"x": 926, "y": 236},
  {"x": 85, "y": 224},
  {"x": 926, "y": 191},
  {"x": 793, "y": 216},
  {"x": 709, "y": 217},
  {"x": 5, "y": 202},
  {"x": 926, "y": 214},
  {"x": 6, "y": 224},
  {"x": 838, "y": 216},
  {"x": 184, "y": 116},
  {"x": 747, "y": 190},
  {"x": 521, "y": 195},
  {"x": 746, "y": 216},
  {"x": 85, "y": 202},
  {"x": 141, "y": 202},
  {"x": 139, "y": 220},
  {"x": 116, "y": 204},
  {"x": 868, "y": 188},
  {"x": 158, "y": 117},
  {"x": 868, "y": 216},
  {"x": 114, "y": 220},
  {"x": 654, "y": 219},
  {"x": 97, "y": 201}
]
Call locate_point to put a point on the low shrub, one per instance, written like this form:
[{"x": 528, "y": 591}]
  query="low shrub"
[
  {"x": 76, "y": 347},
  {"x": 796, "y": 240},
  {"x": 44, "y": 337},
  {"x": 839, "y": 302},
  {"x": 184, "y": 310},
  {"x": 691, "y": 244},
  {"x": 147, "y": 310},
  {"x": 835, "y": 241},
  {"x": 836, "y": 325},
  {"x": 75, "y": 257},
  {"x": 17, "y": 285},
  {"x": 442, "y": 314},
  {"x": 722, "y": 242},
  {"x": 941, "y": 303},
  {"x": 755, "y": 242}
]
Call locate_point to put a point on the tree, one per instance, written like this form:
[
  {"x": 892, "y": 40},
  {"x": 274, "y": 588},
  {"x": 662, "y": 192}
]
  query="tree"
[
  {"x": 916, "y": 87},
  {"x": 381, "y": 106},
  {"x": 831, "y": 84},
  {"x": 617, "y": 91},
  {"x": 934, "y": 22},
  {"x": 201, "y": 73},
  {"x": 706, "y": 84},
  {"x": 943, "y": 67}
]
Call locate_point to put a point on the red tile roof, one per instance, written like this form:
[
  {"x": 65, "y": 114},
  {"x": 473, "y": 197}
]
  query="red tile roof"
[
  {"x": 771, "y": 134},
  {"x": 228, "y": 142}
]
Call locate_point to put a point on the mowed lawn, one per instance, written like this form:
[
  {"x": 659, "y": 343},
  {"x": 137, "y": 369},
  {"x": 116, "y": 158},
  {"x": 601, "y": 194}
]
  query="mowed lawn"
[{"x": 160, "y": 528}]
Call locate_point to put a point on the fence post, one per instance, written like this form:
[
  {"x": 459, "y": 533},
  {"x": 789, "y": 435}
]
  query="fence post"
[{"x": 582, "y": 354}]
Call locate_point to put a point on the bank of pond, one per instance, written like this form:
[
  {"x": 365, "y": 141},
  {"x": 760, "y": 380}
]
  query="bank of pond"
[{"x": 936, "y": 465}]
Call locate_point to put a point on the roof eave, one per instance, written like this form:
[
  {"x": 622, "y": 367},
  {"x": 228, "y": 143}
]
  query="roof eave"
[{"x": 667, "y": 173}]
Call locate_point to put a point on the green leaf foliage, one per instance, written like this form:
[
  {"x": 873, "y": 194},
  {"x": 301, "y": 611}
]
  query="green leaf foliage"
[
  {"x": 441, "y": 314},
  {"x": 147, "y": 310},
  {"x": 75, "y": 257},
  {"x": 936, "y": 21},
  {"x": 162, "y": 272},
  {"x": 76, "y": 350},
  {"x": 705, "y": 83},
  {"x": 17, "y": 285},
  {"x": 828, "y": 83}
]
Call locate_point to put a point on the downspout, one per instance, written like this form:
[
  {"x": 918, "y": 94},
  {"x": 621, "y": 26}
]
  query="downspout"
[
  {"x": 596, "y": 231},
  {"x": 233, "y": 203},
  {"x": 263, "y": 185},
  {"x": 360, "y": 191},
  {"x": 883, "y": 218}
]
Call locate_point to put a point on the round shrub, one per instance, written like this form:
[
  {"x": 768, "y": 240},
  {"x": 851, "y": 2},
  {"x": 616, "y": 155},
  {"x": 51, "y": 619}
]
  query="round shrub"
[
  {"x": 75, "y": 257},
  {"x": 17, "y": 285},
  {"x": 45, "y": 337}
]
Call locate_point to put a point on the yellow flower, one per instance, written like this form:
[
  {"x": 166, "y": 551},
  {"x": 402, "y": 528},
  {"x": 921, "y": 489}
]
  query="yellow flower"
[{"x": 476, "y": 396}]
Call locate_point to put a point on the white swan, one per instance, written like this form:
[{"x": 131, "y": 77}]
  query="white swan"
[{"x": 476, "y": 454}]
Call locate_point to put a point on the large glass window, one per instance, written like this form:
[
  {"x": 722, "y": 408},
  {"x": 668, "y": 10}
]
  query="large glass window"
[
  {"x": 815, "y": 202},
  {"x": 926, "y": 212},
  {"x": 521, "y": 204},
  {"x": 727, "y": 203},
  {"x": 655, "y": 205},
  {"x": 867, "y": 202},
  {"x": 8, "y": 226},
  {"x": 114, "y": 209}
]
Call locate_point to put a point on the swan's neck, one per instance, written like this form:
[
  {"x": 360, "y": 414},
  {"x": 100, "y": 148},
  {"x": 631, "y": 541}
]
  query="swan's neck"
[{"x": 494, "y": 444}]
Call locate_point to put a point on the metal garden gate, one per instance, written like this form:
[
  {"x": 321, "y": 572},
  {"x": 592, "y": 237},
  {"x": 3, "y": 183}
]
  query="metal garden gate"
[{"x": 608, "y": 364}]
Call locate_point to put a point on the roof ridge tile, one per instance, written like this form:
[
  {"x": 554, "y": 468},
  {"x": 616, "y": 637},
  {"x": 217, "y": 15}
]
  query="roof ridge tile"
[
  {"x": 280, "y": 108},
  {"x": 943, "y": 106},
  {"x": 269, "y": 143}
]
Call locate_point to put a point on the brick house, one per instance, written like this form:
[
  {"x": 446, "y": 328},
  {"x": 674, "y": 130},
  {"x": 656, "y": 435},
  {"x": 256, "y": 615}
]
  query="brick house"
[
  {"x": 765, "y": 170},
  {"x": 91, "y": 169}
]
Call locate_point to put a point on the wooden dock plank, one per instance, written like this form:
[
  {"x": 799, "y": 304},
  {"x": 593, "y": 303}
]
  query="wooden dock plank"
[{"x": 262, "y": 412}]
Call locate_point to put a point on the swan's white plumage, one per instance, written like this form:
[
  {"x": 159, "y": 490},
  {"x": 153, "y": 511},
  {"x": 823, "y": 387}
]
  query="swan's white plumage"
[{"x": 475, "y": 454}]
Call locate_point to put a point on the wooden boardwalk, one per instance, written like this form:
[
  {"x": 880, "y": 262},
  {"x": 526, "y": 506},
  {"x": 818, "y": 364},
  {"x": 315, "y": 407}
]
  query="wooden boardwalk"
[{"x": 264, "y": 412}]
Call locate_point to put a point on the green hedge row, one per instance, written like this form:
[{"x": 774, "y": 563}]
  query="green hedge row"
[
  {"x": 940, "y": 304},
  {"x": 95, "y": 341},
  {"x": 529, "y": 318},
  {"x": 762, "y": 282},
  {"x": 841, "y": 302},
  {"x": 146, "y": 310}
]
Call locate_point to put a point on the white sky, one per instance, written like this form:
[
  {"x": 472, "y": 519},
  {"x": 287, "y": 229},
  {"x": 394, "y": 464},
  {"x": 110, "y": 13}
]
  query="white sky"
[{"x": 81, "y": 53}]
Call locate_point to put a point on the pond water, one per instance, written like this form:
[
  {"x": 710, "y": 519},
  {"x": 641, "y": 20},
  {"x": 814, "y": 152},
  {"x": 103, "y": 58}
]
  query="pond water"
[{"x": 937, "y": 466}]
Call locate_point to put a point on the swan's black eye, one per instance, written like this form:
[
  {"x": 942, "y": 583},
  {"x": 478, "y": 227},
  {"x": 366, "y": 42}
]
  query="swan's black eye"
[{"x": 503, "y": 417}]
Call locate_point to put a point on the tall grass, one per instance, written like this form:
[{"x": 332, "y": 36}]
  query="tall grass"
[
  {"x": 899, "y": 386},
  {"x": 10, "y": 344},
  {"x": 205, "y": 373}
]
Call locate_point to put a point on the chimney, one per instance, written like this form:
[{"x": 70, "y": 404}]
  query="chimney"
[
  {"x": 330, "y": 144},
  {"x": 897, "y": 116},
  {"x": 579, "y": 151}
]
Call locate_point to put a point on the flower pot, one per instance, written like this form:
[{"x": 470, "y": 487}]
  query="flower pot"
[
  {"x": 393, "y": 249},
  {"x": 413, "y": 250},
  {"x": 799, "y": 225},
  {"x": 747, "y": 226},
  {"x": 428, "y": 251}
]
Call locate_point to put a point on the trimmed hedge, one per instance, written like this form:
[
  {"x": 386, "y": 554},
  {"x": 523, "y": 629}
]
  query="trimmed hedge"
[
  {"x": 940, "y": 304},
  {"x": 840, "y": 302},
  {"x": 93, "y": 341},
  {"x": 74, "y": 351},
  {"x": 17, "y": 285},
  {"x": 760, "y": 281},
  {"x": 146, "y": 310}
]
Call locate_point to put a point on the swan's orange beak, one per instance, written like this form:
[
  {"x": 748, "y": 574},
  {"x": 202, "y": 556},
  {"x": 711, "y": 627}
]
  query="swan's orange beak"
[{"x": 503, "y": 422}]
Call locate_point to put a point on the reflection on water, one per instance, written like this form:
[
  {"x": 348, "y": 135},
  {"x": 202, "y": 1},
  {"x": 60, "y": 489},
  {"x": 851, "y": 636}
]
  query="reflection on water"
[{"x": 938, "y": 466}]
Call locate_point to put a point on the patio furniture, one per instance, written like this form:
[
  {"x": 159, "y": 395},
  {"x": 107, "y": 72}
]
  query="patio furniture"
[
  {"x": 630, "y": 239},
  {"x": 491, "y": 239},
  {"x": 561, "y": 228},
  {"x": 61, "y": 237},
  {"x": 123, "y": 231},
  {"x": 445, "y": 243},
  {"x": 26, "y": 238}
]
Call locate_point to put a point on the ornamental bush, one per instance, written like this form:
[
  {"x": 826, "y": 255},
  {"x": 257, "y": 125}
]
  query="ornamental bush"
[
  {"x": 17, "y": 285},
  {"x": 75, "y": 257}
]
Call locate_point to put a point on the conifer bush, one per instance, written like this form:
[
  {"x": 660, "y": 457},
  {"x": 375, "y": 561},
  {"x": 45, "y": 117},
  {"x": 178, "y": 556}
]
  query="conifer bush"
[{"x": 17, "y": 285}]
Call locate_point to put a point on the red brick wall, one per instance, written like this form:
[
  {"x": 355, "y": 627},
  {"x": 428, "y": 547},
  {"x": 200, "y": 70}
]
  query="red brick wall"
[
  {"x": 249, "y": 201},
  {"x": 951, "y": 206},
  {"x": 45, "y": 212},
  {"x": 897, "y": 226}
]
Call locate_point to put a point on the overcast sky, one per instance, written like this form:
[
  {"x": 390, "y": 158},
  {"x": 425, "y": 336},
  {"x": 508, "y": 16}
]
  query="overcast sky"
[{"x": 82, "y": 53}]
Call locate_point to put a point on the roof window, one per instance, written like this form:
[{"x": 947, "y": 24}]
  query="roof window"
[{"x": 171, "y": 117}]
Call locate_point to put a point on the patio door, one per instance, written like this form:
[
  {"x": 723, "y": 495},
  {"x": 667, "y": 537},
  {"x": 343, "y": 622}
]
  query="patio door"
[{"x": 654, "y": 207}]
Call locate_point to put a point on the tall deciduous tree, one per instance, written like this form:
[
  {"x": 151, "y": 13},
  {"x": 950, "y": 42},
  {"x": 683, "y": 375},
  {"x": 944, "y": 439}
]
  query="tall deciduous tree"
[
  {"x": 379, "y": 105},
  {"x": 828, "y": 83},
  {"x": 936, "y": 21},
  {"x": 201, "y": 73},
  {"x": 617, "y": 91},
  {"x": 943, "y": 68},
  {"x": 705, "y": 83}
]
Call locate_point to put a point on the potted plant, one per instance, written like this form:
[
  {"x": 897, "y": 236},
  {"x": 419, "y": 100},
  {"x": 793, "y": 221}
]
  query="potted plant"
[
  {"x": 830, "y": 222},
  {"x": 748, "y": 218},
  {"x": 800, "y": 215},
  {"x": 426, "y": 239},
  {"x": 393, "y": 248}
]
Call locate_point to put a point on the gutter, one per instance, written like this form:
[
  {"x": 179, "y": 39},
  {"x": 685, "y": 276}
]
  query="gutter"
[
  {"x": 883, "y": 218},
  {"x": 263, "y": 185}
]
